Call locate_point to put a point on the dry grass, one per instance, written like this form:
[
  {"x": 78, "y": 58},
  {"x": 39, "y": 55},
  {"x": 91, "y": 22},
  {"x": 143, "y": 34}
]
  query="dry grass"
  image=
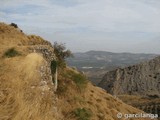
[
  {"x": 103, "y": 105},
  {"x": 138, "y": 100},
  {"x": 19, "y": 100},
  {"x": 11, "y": 37},
  {"x": 21, "y": 97}
]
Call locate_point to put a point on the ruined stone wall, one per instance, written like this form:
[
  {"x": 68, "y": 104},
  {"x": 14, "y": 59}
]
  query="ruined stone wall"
[{"x": 46, "y": 82}]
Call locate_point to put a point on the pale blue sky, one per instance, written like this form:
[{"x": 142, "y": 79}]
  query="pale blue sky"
[{"x": 109, "y": 25}]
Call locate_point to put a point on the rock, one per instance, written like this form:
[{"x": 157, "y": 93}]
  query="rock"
[{"x": 140, "y": 79}]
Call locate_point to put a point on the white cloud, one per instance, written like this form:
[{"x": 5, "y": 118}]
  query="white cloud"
[
  {"x": 89, "y": 17},
  {"x": 112, "y": 15}
]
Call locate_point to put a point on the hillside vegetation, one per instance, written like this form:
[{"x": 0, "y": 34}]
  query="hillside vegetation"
[{"x": 27, "y": 88}]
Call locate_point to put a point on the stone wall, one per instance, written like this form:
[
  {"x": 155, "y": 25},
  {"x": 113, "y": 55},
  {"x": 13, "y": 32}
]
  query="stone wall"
[
  {"x": 46, "y": 84},
  {"x": 47, "y": 52}
]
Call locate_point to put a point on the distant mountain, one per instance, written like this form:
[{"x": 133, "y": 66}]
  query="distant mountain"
[
  {"x": 96, "y": 63},
  {"x": 108, "y": 60},
  {"x": 141, "y": 79}
]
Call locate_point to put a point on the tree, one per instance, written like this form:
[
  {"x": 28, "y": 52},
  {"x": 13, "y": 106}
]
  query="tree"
[{"x": 61, "y": 53}]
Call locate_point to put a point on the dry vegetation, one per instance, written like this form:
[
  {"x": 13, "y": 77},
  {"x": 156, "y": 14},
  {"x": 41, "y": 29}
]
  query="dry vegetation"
[
  {"x": 21, "y": 97},
  {"x": 147, "y": 104},
  {"x": 101, "y": 105},
  {"x": 137, "y": 100},
  {"x": 18, "y": 99}
]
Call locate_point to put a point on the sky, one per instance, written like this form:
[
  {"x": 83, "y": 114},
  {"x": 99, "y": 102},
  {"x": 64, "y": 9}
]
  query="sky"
[{"x": 83, "y": 25}]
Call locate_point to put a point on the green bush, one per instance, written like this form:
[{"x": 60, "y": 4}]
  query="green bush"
[
  {"x": 53, "y": 66},
  {"x": 14, "y": 25},
  {"x": 61, "y": 53},
  {"x": 80, "y": 80},
  {"x": 82, "y": 113},
  {"x": 11, "y": 53}
]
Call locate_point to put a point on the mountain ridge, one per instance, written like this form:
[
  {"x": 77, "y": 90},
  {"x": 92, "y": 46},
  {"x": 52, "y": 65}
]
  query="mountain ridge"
[{"x": 101, "y": 51}]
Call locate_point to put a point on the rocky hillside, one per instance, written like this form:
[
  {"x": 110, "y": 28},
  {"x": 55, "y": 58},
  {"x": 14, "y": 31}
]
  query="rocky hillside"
[
  {"x": 27, "y": 87},
  {"x": 137, "y": 85},
  {"x": 140, "y": 79}
]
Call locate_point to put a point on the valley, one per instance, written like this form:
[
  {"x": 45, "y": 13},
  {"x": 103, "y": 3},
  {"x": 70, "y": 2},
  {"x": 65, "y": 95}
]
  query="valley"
[{"x": 96, "y": 63}]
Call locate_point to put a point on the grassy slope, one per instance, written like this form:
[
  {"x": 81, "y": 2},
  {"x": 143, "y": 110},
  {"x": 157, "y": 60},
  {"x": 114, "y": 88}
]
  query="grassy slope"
[
  {"x": 102, "y": 105},
  {"x": 21, "y": 97},
  {"x": 18, "y": 99}
]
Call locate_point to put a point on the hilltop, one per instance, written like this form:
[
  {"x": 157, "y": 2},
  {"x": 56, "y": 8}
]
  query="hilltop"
[{"x": 27, "y": 87}]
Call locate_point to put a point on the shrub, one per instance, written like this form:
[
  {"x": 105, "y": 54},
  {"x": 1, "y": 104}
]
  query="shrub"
[
  {"x": 61, "y": 53},
  {"x": 14, "y": 25},
  {"x": 11, "y": 53},
  {"x": 83, "y": 113},
  {"x": 53, "y": 66},
  {"x": 80, "y": 80}
]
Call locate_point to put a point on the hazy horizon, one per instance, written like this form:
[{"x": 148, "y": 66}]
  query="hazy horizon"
[
  {"x": 114, "y": 52},
  {"x": 102, "y": 25}
]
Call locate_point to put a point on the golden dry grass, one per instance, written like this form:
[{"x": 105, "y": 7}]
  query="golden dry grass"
[
  {"x": 20, "y": 95},
  {"x": 19, "y": 101},
  {"x": 103, "y": 105},
  {"x": 138, "y": 101}
]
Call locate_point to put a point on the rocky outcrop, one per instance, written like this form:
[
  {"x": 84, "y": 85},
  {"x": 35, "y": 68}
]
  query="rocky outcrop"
[{"x": 140, "y": 79}]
